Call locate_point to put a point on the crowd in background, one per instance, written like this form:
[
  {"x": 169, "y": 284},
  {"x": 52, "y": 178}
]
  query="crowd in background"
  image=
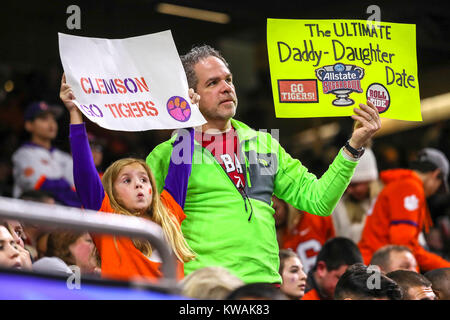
[{"x": 328, "y": 265}]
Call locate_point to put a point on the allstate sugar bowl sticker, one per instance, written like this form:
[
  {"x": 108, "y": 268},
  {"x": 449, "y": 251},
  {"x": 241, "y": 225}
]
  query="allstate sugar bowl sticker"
[
  {"x": 325, "y": 68},
  {"x": 341, "y": 80}
]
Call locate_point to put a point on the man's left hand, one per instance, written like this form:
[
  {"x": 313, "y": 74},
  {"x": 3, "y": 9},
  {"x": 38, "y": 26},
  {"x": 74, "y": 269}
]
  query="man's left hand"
[{"x": 368, "y": 122}]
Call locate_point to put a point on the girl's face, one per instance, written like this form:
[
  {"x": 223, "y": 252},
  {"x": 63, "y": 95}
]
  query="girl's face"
[
  {"x": 133, "y": 188},
  {"x": 294, "y": 278},
  {"x": 9, "y": 254},
  {"x": 83, "y": 251}
]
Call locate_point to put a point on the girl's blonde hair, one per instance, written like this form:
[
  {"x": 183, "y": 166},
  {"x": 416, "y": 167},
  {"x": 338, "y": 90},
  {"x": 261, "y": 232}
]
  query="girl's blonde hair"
[{"x": 157, "y": 212}]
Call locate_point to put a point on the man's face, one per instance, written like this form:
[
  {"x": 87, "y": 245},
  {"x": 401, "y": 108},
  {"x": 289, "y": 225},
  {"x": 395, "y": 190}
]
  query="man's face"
[
  {"x": 402, "y": 260},
  {"x": 432, "y": 182},
  {"x": 218, "y": 99},
  {"x": 327, "y": 280},
  {"x": 421, "y": 293},
  {"x": 44, "y": 126}
]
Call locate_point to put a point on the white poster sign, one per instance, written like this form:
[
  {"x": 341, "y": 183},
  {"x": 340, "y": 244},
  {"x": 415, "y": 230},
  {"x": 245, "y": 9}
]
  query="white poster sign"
[{"x": 132, "y": 84}]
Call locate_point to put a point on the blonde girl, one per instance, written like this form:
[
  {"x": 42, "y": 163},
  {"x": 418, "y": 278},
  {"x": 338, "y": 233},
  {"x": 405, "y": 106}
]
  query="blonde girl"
[{"x": 128, "y": 187}]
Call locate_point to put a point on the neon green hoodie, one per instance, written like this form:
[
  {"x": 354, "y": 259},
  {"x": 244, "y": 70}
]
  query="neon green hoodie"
[{"x": 237, "y": 231}]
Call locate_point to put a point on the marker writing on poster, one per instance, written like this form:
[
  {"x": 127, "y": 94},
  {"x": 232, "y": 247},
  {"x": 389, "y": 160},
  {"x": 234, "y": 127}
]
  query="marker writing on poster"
[{"x": 113, "y": 86}]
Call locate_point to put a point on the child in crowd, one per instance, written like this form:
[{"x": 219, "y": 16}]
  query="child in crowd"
[
  {"x": 128, "y": 187},
  {"x": 37, "y": 164}
]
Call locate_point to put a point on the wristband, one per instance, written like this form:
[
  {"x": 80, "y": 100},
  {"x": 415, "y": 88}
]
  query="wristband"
[{"x": 356, "y": 153}]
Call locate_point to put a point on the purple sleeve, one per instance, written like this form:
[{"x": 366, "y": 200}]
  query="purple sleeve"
[
  {"x": 177, "y": 178},
  {"x": 62, "y": 191},
  {"x": 87, "y": 181}
]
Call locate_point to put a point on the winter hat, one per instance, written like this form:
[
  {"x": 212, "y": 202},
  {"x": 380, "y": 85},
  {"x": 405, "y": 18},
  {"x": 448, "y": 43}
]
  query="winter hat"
[
  {"x": 367, "y": 169},
  {"x": 439, "y": 159}
]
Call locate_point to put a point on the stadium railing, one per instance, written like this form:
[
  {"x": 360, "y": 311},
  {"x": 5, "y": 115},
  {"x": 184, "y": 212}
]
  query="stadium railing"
[{"x": 54, "y": 217}]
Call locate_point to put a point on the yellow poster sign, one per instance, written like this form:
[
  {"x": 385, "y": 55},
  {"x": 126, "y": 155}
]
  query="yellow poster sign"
[{"x": 325, "y": 68}]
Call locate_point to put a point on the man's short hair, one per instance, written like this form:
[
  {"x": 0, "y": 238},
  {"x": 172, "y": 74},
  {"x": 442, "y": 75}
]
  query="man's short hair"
[
  {"x": 258, "y": 290},
  {"x": 194, "y": 55},
  {"x": 382, "y": 257},
  {"x": 337, "y": 252},
  {"x": 407, "y": 279},
  {"x": 440, "y": 282},
  {"x": 356, "y": 283}
]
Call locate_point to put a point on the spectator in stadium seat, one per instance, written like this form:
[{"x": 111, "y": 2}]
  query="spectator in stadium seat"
[
  {"x": 400, "y": 212},
  {"x": 334, "y": 258},
  {"x": 38, "y": 196},
  {"x": 414, "y": 285},
  {"x": 350, "y": 212},
  {"x": 307, "y": 236},
  {"x": 301, "y": 232},
  {"x": 361, "y": 283},
  {"x": 393, "y": 257},
  {"x": 36, "y": 236},
  {"x": 97, "y": 145},
  {"x": 292, "y": 275},
  {"x": 37, "y": 165},
  {"x": 440, "y": 280},
  {"x": 16, "y": 230},
  {"x": 257, "y": 291},
  {"x": 9, "y": 250},
  {"x": 281, "y": 217},
  {"x": 66, "y": 249},
  {"x": 213, "y": 283}
]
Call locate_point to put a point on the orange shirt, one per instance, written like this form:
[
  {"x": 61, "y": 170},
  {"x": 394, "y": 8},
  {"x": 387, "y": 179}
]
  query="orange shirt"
[
  {"x": 121, "y": 260},
  {"x": 398, "y": 216},
  {"x": 311, "y": 295},
  {"x": 308, "y": 237}
]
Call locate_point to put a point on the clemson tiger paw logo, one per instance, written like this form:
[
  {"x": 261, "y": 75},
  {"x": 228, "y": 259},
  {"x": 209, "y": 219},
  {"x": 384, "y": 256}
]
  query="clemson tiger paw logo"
[
  {"x": 411, "y": 203},
  {"x": 179, "y": 108}
]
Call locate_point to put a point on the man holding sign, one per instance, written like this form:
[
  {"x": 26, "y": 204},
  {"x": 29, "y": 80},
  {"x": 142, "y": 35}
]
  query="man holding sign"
[{"x": 236, "y": 170}]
